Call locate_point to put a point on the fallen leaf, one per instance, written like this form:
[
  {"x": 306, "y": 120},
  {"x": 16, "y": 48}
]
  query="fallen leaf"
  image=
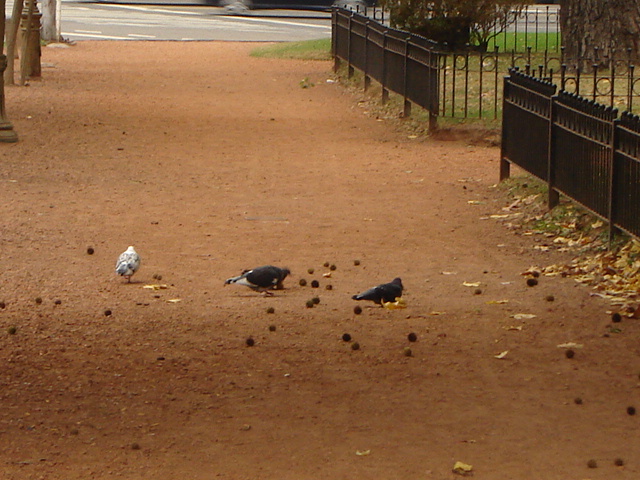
[
  {"x": 502, "y": 354},
  {"x": 174, "y": 300},
  {"x": 523, "y": 316},
  {"x": 514, "y": 327},
  {"x": 462, "y": 468},
  {"x": 327, "y": 275},
  {"x": 156, "y": 287},
  {"x": 437, "y": 313},
  {"x": 399, "y": 303},
  {"x": 471, "y": 284},
  {"x": 363, "y": 453},
  {"x": 474, "y": 202},
  {"x": 449, "y": 273},
  {"x": 570, "y": 345},
  {"x": 497, "y": 302}
]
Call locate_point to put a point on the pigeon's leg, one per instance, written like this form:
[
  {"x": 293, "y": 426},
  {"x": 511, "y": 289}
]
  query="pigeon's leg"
[{"x": 267, "y": 293}]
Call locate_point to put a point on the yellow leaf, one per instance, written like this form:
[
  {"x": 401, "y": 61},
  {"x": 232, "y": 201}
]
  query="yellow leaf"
[
  {"x": 399, "y": 303},
  {"x": 462, "y": 468},
  {"x": 156, "y": 287},
  {"x": 471, "y": 284},
  {"x": 497, "y": 302},
  {"x": 363, "y": 453},
  {"x": 501, "y": 354},
  {"x": 174, "y": 300}
]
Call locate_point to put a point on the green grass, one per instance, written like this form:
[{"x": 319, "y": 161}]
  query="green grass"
[
  {"x": 307, "y": 50},
  {"x": 507, "y": 42}
]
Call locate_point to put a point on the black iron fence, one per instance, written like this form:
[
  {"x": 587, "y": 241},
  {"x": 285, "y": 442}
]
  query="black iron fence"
[
  {"x": 401, "y": 62},
  {"x": 469, "y": 84},
  {"x": 579, "y": 147}
]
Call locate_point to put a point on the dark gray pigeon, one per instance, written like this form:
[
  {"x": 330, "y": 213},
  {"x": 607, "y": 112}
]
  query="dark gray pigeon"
[
  {"x": 261, "y": 279},
  {"x": 387, "y": 292}
]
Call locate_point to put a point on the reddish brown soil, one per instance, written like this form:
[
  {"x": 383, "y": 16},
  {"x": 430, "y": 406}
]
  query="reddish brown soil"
[{"x": 209, "y": 162}]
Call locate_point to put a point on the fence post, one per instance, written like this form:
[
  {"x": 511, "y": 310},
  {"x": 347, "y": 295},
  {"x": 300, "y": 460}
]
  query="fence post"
[
  {"x": 505, "y": 165},
  {"x": 554, "y": 196},
  {"x": 406, "y": 111},
  {"x": 367, "y": 78},
  {"x": 434, "y": 87},
  {"x": 615, "y": 144},
  {"x": 349, "y": 66},
  {"x": 385, "y": 92},
  {"x": 630, "y": 94},
  {"x": 334, "y": 39}
]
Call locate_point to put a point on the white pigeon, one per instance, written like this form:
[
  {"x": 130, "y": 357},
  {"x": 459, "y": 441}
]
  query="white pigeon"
[{"x": 128, "y": 263}]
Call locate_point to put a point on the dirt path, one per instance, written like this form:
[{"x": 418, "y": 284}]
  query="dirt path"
[{"x": 209, "y": 162}]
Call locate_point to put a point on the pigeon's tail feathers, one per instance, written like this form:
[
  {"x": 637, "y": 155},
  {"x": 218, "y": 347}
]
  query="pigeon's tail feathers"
[
  {"x": 122, "y": 268},
  {"x": 234, "y": 279},
  {"x": 372, "y": 294}
]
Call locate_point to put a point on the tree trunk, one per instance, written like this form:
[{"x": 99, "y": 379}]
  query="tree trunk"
[
  {"x": 50, "y": 22},
  {"x": 594, "y": 30},
  {"x": 11, "y": 40}
]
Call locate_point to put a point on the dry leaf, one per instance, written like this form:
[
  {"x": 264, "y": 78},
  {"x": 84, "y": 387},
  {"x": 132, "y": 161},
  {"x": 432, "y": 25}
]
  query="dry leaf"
[
  {"x": 399, "y": 303},
  {"x": 501, "y": 354},
  {"x": 174, "y": 300},
  {"x": 570, "y": 345},
  {"x": 437, "y": 313},
  {"x": 462, "y": 468},
  {"x": 514, "y": 327},
  {"x": 497, "y": 302},
  {"x": 471, "y": 284},
  {"x": 523, "y": 316},
  {"x": 156, "y": 287},
  {"x": 363, "y": 453}
]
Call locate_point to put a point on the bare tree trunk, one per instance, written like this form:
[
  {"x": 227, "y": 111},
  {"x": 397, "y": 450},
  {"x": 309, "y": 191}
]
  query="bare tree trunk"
[
  {"x": 50, "y": 21},
  {"x": 12, "y": 36},
  {"x": 594, "y": 30}
]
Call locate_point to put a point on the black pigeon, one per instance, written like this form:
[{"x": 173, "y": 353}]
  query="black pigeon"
[
  {"x": 387, "y": 292},
  {"x": 261, "y": 279}
]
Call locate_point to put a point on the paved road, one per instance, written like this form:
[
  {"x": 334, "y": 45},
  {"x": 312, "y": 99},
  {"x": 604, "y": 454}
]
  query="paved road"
[{"x": 102, "y": 21}]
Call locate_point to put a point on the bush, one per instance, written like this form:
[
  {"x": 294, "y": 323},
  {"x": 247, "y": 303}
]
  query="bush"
[{"x": 457, "y": 23}]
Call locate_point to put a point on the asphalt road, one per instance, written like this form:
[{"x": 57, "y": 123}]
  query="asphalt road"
[{"x": 104, "y": 21}]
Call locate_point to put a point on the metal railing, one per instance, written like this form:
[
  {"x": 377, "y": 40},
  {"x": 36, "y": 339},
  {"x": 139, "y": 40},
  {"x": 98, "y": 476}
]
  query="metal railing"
[
  {"x": 401, "y": 62},
  {"x": 468, "y": 84},
  {"x": 579, "y": 147}
]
